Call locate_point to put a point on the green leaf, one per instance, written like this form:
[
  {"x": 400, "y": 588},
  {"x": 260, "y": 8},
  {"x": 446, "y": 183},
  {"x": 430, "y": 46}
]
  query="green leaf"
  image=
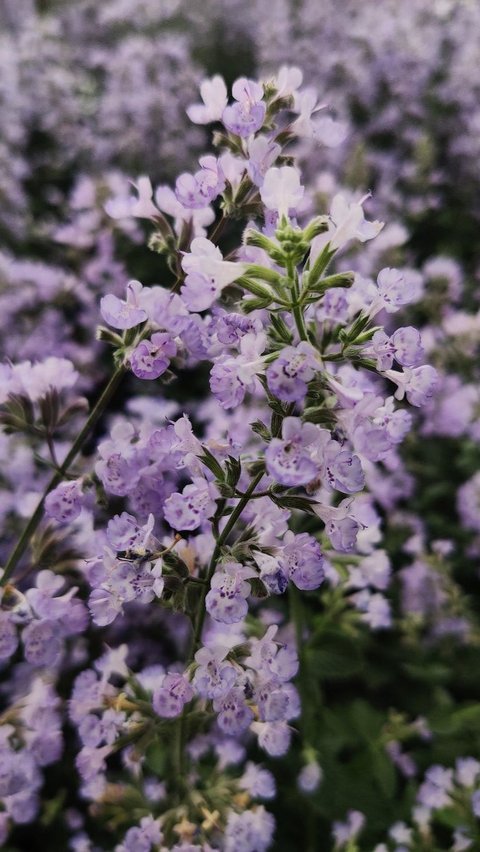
[
  {"x": 333, "y": 656},
  {"x": 450, "y": 817},
  {"x": 383, "y": 772},
  {"x": 260, "y": 429},
  {"x": 259, "y": 590},
  {"x": 209, "y": 460},
  {"x": 294, "y": 502},
  {"x": 155, "y": 758},
  {"x": 175, "y": 564},
  {"x": 234, "y": 469}
]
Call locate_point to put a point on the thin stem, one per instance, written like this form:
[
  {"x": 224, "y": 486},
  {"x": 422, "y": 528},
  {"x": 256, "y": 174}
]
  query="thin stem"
[
  {"x": 35, "y": 519},
  {"x": 300, "y": 322},
  {"x": 297, "y": 308},
  {"x": 216, "y": 553},
  {"x": 297, "y": 613},
  {"x": 181, "y": 727},
  {"x": 253, "y": 496},
  {"x": 218, "y": 229},
  {"x": 51, "y": 448}
]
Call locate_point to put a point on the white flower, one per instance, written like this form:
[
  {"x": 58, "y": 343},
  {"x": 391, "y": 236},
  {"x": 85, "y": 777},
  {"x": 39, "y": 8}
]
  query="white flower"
[
  {"x": 282, "y": 190},
  {"x": 213, "y": 92},
  {"x": 347, "y": 222}
]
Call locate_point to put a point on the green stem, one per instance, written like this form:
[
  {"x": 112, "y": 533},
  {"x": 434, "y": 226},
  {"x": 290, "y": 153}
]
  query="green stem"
[
  {"x": 216, "y": 553},
  {"x": 57, "y": 478},
  {"x": 297, "y": 613},
  {"x": 297, "y": 308},
  {"x": 296, "y": 610},
  {"x": 254, "y": 496},
  {"x": 300, "y": 322},
  {"x": 181, "y": 728},
  {"x": 218, "y": 229}
]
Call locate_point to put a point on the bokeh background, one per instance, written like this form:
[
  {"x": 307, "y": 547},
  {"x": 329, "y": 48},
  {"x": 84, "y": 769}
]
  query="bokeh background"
[{"x": 93, "y": 95}]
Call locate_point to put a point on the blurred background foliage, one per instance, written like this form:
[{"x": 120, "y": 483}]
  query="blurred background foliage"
[{"x": 95, "y": 92}]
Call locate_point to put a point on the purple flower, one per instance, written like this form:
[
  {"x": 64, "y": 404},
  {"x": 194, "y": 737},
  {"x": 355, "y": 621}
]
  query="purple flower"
[
  {"x": 421, "y": 384},
  {"x": 342, "y": 533},
  {"x": 434, "y": 792},
  {"x": 42, "y": 643},
  {"x": 106, "y": 602},
  {"x": 18, "y": 772},
  {"x": 467, "y": 771},
  {"x": 418, "y": 384},
  {"x": 272, "y": 574},
  {"x": 348, "y": 830},
  {"x": 234, "y": 715},
  {"x": 281, "y": 190},
  {"x": 347, "y": 222},
  {"x": 117, "y": 474},
  {"x": 309, "y": 777},
  {"x": 141, "y": 838},
  {"x": 250, "y": 831},
  {"x": 43, "y": 597},
  {"x": 395, "y": 289},
  {"x": 227, "y": 599},
  {"x": 340, "y": 525},
  {"x": 64, "y": 503},
  {"x": 396, "y": 423},
  {"x": 123, "y": 314},
  {"x": 213, "y": 678},
  {"x": 198, "y": 220},
  {"x": 405, "y": 346},
  {"x": 231, "y": 327},
  {"x": 476, "y": 803},
  {"x": 270, "y": 659},
  {"x": 8, "y": 637},
  {"x": 196, "y": 503},
  {"x": 374, "y": 570},
  {"x": 90, "y": 730},
  {"x": 273, "y": 737},
  {"x": 288, "y": 376},
  {"x": 342, "y": 469},
  {"x": 141, "y": 207},
  {"x": 170, "y": 698},
  {"x": 288, "y": 459},
  {"x": 126, "y": 536},
  {"x": 207, "y": 274},
  {"x": 302, "y": 559},
  {"x": 324, "y": 129},
  {"x": 258, "y": 782},
  {"x": 382, "y": 348},
  {"x": 91, "y": 762},
  {"x": 199, "y": 190},
  {"x": 262, "y": 153},
  {"x": 233, "y": 375},
  {"x": 214, "y": 96},
  {"x": 468, "y": 502},
  {"x": 117, "y": 583},
  {"x": 375, "y": 609},
  {"x": 273, "y": 702},
  {"x": 246, "y": 116},
  {"x": 408, "y": 347},
  {"x": 152, "y": 357}
]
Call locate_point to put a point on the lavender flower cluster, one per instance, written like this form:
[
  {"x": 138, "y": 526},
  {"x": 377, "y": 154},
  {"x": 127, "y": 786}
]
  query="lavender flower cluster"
[{"x": 218, "y": 516}]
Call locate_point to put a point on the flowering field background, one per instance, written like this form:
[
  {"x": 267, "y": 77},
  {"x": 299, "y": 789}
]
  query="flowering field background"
[{"x": 239, "y": 425}]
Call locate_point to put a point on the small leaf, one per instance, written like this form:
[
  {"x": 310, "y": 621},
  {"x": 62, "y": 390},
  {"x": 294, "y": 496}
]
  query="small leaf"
[
  {"x": 259, "y": 590},
  {"x": 294, "y": 502},
  {"x": 333, "y": 656},
  {"x": 260, "y": 429},
  {"x": 209, "y": 460}
]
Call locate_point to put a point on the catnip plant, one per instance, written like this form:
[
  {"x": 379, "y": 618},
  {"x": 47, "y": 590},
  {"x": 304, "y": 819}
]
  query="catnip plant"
[{"x": 169, "y": 567}]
